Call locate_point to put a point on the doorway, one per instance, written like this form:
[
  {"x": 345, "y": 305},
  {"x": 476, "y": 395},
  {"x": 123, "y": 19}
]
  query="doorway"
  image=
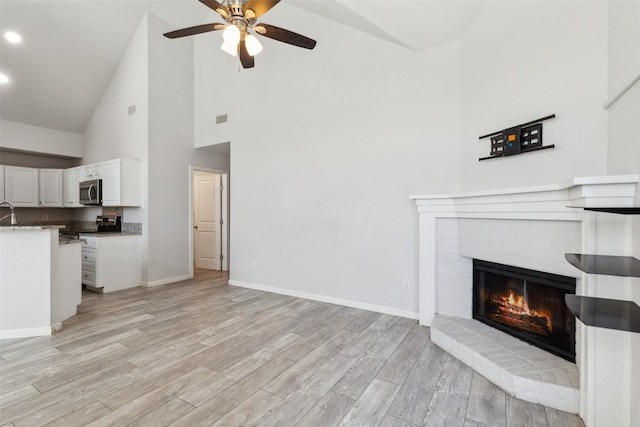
[{"x": 209, "y": 220}]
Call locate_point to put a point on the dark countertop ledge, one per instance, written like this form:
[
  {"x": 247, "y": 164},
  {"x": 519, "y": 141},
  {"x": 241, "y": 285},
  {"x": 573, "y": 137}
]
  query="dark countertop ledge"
[{"x": 110, "y": 233}]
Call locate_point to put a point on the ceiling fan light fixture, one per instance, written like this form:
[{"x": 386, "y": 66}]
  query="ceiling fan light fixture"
[
  {"x": 230, "y": 48},
  {"x": 254, "y": 46},
  {"x": 240, "y": 16},
  {"x": 231, "y": 35},
  {"x": 13, "y": 37}
]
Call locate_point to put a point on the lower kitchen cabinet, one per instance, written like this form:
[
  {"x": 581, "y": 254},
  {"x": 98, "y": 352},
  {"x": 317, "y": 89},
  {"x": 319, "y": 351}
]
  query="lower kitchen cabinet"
[
  {"x": 66, "y": 294},
  {"x": 110, "y": 262}
]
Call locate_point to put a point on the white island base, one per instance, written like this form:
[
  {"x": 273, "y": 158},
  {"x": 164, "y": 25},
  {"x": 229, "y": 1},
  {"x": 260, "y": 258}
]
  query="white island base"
[{"x": 40, "y": 281}]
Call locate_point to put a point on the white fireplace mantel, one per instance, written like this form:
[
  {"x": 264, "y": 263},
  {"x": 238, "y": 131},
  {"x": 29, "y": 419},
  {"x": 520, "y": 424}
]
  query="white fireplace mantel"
[
  {"x": 546, "y": 202},
  {"x": 538, "y": 202}
]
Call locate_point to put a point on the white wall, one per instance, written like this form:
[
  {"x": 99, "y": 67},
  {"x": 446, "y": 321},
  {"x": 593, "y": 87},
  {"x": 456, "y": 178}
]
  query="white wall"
[
  {"x": 171, "y": 151},
  {"x": 326, "y": 147},
  {"x": 20, "y": 136},
  {"x": 112, "y": 133},
  {"x": 623, "y": 156},
  {"x": 624, "y": 66},
  {"x": 156, "y": 76},
  {"x": 525, "y": 60}
]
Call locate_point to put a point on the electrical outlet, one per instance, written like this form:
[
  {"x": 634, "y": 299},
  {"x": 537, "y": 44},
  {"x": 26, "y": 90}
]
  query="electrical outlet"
[
  {"x": 406, "y": 284},
  {"x": 254, "y": 265}
]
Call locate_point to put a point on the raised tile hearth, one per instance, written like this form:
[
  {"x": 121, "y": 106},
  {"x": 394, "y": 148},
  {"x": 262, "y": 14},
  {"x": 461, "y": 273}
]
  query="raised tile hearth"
[{"x": 522, "y": 370}]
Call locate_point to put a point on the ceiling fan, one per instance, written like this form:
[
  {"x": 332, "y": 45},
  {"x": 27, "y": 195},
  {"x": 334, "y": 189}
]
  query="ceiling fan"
[{"x": 240, "y": 17}]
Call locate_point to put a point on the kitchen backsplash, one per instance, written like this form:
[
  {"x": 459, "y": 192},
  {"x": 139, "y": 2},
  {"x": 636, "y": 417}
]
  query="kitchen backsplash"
[{"x": 129, "y": 227}]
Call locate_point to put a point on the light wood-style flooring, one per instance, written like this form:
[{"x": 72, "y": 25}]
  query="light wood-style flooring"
[{"x": 200, "y": 353}]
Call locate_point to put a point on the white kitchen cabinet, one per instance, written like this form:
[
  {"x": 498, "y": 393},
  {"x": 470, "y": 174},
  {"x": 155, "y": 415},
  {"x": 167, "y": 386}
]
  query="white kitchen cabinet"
[
  {"x": 121, "y": 183},
  {"x": 66, "y": 290},
  {"x": 92, "y": 171},
  {"x": 89, "y": 263},
  {"x": 50, "y": 188},
  {"x": 70, "y": 193},
  {"x": 1, "y": 182},
  {"x": 21, "y": 186},
  {"x": 111, "y": 262}
]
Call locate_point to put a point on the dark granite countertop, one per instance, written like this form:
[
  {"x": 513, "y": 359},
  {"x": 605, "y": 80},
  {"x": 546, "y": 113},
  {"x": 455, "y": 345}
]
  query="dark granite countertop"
[
  {"x": 30, "y": 227},
  {"x": 110, "y": 233}
]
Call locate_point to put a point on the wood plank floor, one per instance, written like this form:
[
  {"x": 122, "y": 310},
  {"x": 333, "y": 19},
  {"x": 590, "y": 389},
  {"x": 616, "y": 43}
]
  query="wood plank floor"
[{"x": 201, "y": 353}]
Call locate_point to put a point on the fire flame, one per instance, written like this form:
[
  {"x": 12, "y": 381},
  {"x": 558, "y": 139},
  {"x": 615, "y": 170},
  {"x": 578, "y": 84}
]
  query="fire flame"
[
  {"x": 517, "y": 301},
  {"x": 516, "y": 304}
]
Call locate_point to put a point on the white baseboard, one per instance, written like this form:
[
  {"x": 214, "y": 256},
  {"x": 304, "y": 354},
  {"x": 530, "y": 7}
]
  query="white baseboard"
[
  {"x": 331, "y": 300},
  {"x": 165, "y": 281},
  {"x": 25, "y": 333}
]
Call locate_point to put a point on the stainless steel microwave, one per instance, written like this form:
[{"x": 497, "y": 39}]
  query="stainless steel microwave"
[{"x": 91, "y": 192}]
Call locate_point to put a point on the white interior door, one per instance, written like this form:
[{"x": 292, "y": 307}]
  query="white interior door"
[{"x": 207, "y": 209}]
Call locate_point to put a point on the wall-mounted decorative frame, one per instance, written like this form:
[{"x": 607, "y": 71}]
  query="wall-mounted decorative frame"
[{"x": 523, "y": 138}]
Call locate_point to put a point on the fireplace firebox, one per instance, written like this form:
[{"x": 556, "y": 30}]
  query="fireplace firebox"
[{"x": 526, "y": 304}]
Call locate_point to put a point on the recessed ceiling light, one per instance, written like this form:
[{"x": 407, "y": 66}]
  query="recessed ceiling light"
[
  {"x": 12, "y": 37},
  {"x": 4, "y": 78}
]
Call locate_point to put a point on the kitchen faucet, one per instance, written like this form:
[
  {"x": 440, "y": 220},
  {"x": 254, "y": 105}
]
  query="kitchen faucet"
[{"x": 12, "y": 214}]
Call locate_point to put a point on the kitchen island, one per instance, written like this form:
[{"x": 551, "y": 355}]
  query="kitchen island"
[{"x": 40, "y": 280}]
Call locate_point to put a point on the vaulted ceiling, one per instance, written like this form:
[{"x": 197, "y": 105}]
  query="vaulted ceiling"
[{"x": 71, "y": 48}]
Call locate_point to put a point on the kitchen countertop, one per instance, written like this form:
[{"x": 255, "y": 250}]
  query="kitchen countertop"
[{"x": 30, "y": 227}]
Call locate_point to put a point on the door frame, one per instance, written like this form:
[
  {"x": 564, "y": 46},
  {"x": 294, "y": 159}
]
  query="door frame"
[{"x": 224, "y": 179}]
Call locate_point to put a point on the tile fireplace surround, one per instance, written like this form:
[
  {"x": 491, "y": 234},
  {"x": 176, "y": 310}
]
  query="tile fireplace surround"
[{"x": 532, "y": 228}]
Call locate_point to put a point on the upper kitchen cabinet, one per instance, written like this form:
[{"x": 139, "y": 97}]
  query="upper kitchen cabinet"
[
  {"x": 92, "y": 171},
  {"x": 50, "y": 188},
  {"x": 71, "y": 179},
  {"x": 121, "y": 183},
  {"x": 21, "y": 186}
]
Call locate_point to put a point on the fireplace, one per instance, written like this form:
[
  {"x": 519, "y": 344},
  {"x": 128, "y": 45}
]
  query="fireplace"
[{"x": 526, "y": 304}]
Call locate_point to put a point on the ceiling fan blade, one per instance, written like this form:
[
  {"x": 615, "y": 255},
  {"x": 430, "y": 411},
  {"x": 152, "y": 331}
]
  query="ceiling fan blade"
[
  {"x": 214, "y": 5},
  {"x": 259, "y": 7},
  {"x": 285, "y": 36},
  {"x": 246, "y": 60},
  {"x": 198, "y": 29}
]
